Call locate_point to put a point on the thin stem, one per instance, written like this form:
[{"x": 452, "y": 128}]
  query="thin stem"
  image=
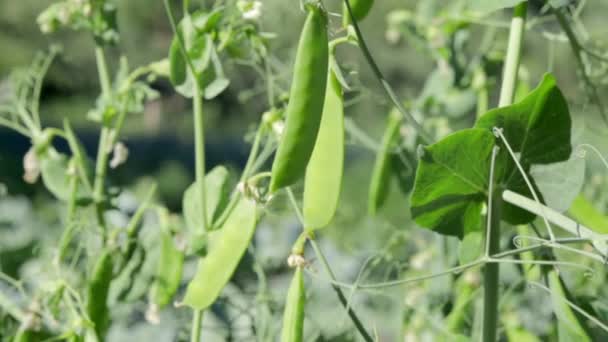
[
  {"x": 353, "y": 316},
  {"x": 426, "y": 137},
  {"x": 491, "y": 272},
  {"x": 197, "y": 323},
  {"x": 199, "y": 151},
  {"x": 14, "y": 126},
  {"x": 102, "y": 151},
  {"x": 516, "y": 33}
]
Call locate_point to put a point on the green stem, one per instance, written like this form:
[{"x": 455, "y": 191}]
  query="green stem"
[
  {"x": 516, "y": 34},
  {"x": 353, "y": 316},
  {"x": 68, "y": 233},
  {"x": 491, "y": 273},
  {"x": 102, "y": 151},
  {"x": 199, "y": 151},
  {"x": 197, "y": 324}
]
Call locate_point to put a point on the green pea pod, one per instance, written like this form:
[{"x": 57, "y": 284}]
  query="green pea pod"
[
  {"x": 360, "y": 10},
  {"x": 227, "y": 248},
  {"x": 293, "y": 317},
  {"x": 97, "y": 293},
  {"x": 378, "y": 189},
  {"x": 169, "y": 273},
  {"x": 323, "y": 180},
  {"x": 306, "y": 99},
  {"x": 569, "y": 326}
]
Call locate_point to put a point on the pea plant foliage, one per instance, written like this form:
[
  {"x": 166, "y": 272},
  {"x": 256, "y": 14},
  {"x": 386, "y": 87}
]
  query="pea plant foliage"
[{"x": 494, "y": 200}]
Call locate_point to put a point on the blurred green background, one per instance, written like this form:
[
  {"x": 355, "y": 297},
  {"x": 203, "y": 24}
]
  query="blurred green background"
[{"x": 161, "y": 146}]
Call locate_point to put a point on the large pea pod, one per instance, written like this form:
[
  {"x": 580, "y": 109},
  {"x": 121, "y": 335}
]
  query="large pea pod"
[
  {"x": 381, "y": 174},
  {"x": 360, "y": 8},
  {"x": 305, "y": 107},
  {"x": 293, "y": 316},
  {"x": 323, "y": 180},
  {"x": 225, "y": 251},
  {"x": 97, "y": 293}
]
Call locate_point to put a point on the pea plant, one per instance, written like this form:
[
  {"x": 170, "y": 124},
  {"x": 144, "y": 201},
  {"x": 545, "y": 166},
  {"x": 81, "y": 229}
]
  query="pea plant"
[{"x": 483, "y": 185}]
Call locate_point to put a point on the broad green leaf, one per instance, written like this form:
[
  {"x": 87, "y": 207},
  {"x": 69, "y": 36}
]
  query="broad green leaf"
[
  {"x": 323, "y": 181},
  {"x": 470, "y": 248},
  {"x": 216, "y": 196},
  {"x": 226, "y": 250},
  {"x": 488, "y": 6},
  {"x": 452, "y": 177},
  {"x": 403, "y": 166},
  {"x": 54, "y": 171},
  {"x": 584, "y": 212},
  {"x": 569, "y": 328},
  {"x": 451, "y": 182},
  {"x": 538, "y": 129}
]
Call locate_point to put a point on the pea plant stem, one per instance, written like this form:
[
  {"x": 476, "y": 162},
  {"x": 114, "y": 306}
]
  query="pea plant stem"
[
  {"x": 197, "y": 322},
  {"x": 507, "y": 91},
  {"x": 509, "y": 77},
  {"x": 102, "y": 151}
]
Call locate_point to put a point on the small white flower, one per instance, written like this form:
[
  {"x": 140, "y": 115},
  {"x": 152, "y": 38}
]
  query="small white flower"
[
  {"x": 31, "y": 166},
  {"x": 278, "y": 127},
  {"x": 296, "y": 260},
  {"x": 252, "y": 10},
  {"x": 152, "y": 315},
  {"x": 120, "y": 155}
]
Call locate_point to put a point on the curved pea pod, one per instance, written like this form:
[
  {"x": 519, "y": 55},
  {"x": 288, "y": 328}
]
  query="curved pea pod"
[
  {"x": 226, "y": 250},
  {"x": 169, "y": 273},
  {"x": 360, "y": 8},
  {"x": 323, "y": 180},
  {"x": 97, "y": 293},
  {"x": 305, "y": 107},
  {"x": 293, "y": 317},
  {"x": 378, "y": 189}
]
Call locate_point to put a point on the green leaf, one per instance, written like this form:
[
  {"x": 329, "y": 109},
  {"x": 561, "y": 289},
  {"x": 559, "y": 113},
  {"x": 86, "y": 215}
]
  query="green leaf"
[
  {"x": 451, "y": 182},
  {"x": 569, "y": 327},
  {"x": 488, "y": 6},
  {"x": 216, "y": 196},
  {"x": 54, "y": 170},
  {"x": 452, "y": 177},
  {"x": 169, "y": 272}
]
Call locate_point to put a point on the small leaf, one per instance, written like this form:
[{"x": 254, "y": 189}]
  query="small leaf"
[
  {"x": 54, "y": 170},
  {"x": 169, "y": 272},
  {"x": 216, "y": 196}
]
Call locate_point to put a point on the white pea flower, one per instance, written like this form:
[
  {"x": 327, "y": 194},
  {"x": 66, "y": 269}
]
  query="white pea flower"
[
  {"x": 252, "y": 10},
  {"x": 278, "y": 127},
  {"x": 31, "y": 166},
  {"x": 120, "y": 155}
]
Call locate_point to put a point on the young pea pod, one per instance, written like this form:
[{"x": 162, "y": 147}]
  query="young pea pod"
[
  {"x": 97, "y": 293},
  {"x": 379, "y": 186},
  {"x": 225, "y": 251},
  {"x": 360, "y": 10},
  {"x": 293, "y": 317},
  {"x": 323, "y": 180},
  {"x": 170, "y": 265},
  {"x": 305, "y": 107}
]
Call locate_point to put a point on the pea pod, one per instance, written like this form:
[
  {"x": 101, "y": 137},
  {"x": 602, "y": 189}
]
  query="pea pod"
[
  {"x": 305, "y": 107},
  {"x": 170, "y": 264},
  {"x": 360, "y": 8},
  {"x": 570, "y": 327},
  {"x": 226, "y": 250},
  {"x": 324, "y": 171},
  {"x": 378, "y": 189},
  {"x": 293, "y": 317},
  {"x": 97, "y": 293}
]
